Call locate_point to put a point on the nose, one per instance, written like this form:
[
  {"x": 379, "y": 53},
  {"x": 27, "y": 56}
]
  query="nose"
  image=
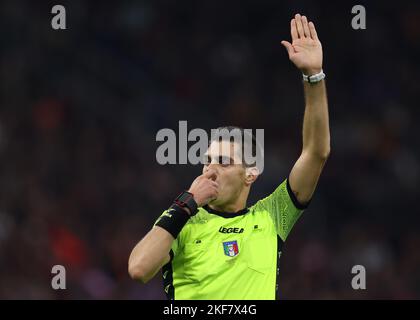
[
  {"x": 211, "y": 166},
  {"x": 208, "y": 167}
]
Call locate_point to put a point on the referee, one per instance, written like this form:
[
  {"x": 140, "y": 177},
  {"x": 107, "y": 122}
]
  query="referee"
[{"x": 209, "y": 244}]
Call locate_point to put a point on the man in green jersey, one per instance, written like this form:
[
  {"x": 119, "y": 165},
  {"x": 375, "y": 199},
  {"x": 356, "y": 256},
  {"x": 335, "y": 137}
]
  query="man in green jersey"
[{"x": 209, "y": 244}]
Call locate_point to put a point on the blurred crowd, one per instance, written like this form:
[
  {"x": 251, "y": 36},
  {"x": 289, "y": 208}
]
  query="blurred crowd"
[{"x": 80, "y": 109}]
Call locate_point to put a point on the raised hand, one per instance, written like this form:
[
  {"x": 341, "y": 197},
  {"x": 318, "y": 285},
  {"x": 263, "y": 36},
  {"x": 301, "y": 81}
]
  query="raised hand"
[{"x": 305, "y": 51}]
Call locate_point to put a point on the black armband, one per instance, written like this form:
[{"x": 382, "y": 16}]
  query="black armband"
[{"x": 173, "y": 220}]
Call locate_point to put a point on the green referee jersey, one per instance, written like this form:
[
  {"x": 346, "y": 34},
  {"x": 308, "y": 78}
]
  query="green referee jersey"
[{"x": 232, "y": 255}]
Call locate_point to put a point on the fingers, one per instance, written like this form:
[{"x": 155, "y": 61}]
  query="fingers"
[
  {"x": 293, "y": 30},
  {"x": 213, "y": 190},
  {"x": 214, "y": 184},
  {"x": 299, "y": 26},
  {"x": 305, "y": 27},
  {"x": 312, "y": 30},
  {"x": 288, "y": 47},
  {"x": 210, "y": 174}
]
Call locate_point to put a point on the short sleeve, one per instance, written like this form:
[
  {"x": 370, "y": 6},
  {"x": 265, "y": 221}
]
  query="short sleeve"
[{"x": 283, "y": 207}]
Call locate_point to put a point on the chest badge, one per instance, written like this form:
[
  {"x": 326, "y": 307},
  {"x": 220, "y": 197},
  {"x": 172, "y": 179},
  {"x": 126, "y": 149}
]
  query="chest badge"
[{"x": 230, "y": 248}]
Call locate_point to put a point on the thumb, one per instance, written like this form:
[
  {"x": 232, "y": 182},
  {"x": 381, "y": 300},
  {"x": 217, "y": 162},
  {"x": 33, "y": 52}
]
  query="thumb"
[{"x": 288, "y": 47}]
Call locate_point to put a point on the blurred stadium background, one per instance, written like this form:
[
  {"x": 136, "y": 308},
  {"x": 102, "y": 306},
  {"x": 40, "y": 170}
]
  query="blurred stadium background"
[{"x": 80, "y": 108}]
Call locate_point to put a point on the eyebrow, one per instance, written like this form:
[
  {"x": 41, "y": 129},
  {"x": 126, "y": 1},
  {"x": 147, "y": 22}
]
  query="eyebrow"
[{"x": 224, "y": 159}]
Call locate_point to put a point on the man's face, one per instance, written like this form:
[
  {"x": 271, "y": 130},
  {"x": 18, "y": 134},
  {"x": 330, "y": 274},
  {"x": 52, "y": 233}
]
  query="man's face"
[{"x": 224, "y": 158}]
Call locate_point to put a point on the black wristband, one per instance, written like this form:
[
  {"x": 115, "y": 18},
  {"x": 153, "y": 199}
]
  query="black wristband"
[
  {"x": 173, "y": 220},
  {"x": 186, "y": 200}
]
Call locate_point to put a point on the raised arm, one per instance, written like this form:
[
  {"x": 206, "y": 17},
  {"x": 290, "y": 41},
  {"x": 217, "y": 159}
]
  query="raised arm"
[{"x": 305, "y": 52}]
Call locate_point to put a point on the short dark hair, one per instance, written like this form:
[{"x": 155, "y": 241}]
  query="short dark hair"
[{"x": 255, "y": 148}]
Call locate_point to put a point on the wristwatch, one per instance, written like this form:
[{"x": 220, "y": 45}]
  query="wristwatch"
[
  {"x": 186, "y": 200},
  {"x": 314, "y": 78}
]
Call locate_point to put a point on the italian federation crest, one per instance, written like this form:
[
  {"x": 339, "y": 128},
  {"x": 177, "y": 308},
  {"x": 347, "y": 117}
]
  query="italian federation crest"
[{"x": 230, "y": 248}]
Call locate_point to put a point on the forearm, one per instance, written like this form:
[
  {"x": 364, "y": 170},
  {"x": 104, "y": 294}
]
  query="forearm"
[
  {"x": 316, "y": 132},
  {"x": 150, "y": 254}
]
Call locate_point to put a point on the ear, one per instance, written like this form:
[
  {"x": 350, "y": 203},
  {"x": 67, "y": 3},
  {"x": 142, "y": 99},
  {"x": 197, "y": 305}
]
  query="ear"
[{"x": 251, "y": 174}]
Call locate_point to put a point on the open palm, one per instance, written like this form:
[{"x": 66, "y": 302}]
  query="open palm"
[{"x": 305, "y": 51}]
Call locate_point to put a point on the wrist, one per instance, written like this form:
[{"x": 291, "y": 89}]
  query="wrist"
[
  {"x": 186, "y": 210},
  {"x": 187, "y": 202},
  {"x": 196, "y": 199},
  {"x": 311, "y": 71},
  {"x": 314, "y": 78},
  {"x": 173, "y": 220}
]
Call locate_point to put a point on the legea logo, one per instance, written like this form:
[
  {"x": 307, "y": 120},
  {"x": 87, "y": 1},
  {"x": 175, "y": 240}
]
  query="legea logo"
[{"x": 191, "y": 147}]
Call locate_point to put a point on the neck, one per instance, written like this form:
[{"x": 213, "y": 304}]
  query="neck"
[{"x": 227, "y": 208}]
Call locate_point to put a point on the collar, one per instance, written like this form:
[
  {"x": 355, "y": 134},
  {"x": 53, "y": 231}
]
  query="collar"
[{"x": 226, "y": 214}]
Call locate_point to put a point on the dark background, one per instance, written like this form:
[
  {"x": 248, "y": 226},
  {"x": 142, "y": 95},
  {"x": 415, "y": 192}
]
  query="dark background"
[{"x": 80, "y": 109}]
